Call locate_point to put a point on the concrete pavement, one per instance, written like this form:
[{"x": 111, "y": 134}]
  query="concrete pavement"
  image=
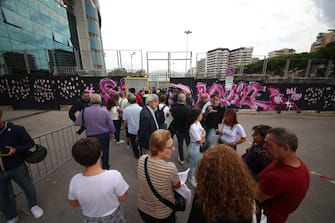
[{"x": 316, "y": 138}]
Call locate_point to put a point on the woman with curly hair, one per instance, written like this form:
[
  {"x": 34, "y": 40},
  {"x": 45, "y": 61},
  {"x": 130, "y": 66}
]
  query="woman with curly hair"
[{"x": 225, "y": 190}]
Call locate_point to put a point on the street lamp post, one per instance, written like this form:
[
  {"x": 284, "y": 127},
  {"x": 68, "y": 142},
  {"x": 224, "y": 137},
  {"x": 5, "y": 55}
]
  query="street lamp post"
[
  {"x": 131, "y": 60},
  {"x": 187, "y": 32}
]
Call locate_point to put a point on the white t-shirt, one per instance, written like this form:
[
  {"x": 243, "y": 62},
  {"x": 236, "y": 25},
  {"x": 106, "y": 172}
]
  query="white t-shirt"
[
  {"x": 230, "y": 135},
  {"x": 195, "y": 132},
  {"x": 114, "y": 113},
  {"x": 98, "y": 195},
  {"x": 131, "y": 114},
  {"x": 123, "y": 103},
  {"x": 166, "y": 110}
]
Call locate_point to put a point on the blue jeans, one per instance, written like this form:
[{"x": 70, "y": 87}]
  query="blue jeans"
[
  {"x": 104, "y": 140},
  {"x": 19, "y": 175},
  {"x": 210, "y": 138},
  {"x": 180, "y": 139},
  {"x": 117, "y": 125},
  {"x": 116, "y": 217},
  {"x": 195, "y": 156}
]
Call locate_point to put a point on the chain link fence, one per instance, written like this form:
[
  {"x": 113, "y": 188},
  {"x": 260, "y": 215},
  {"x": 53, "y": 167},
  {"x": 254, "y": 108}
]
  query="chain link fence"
[{"x": 172, "y": 64}]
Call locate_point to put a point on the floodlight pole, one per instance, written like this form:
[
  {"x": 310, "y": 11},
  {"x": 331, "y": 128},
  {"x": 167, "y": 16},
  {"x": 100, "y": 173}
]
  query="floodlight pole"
[
  {"x": 187, "y": 32},
  {"x": 131, "y": 60}
]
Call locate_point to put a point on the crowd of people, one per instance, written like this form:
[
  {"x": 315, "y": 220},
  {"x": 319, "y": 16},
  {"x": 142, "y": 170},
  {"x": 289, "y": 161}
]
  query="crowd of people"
[{"x": 227, "y": 187}]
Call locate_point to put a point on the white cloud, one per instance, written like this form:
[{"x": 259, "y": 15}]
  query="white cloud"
[{"x": 262, "y": 24}]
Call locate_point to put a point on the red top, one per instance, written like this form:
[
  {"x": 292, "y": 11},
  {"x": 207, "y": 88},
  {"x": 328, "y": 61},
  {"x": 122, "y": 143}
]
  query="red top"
[
  {"x": 287, "y": 185},
  {"x": 139, "y": 99}
]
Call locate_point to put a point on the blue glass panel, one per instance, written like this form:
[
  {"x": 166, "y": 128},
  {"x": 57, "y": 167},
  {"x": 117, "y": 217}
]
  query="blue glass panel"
[
  {"x": 34, "y": 15},
  {"x": 30, "y": 47},
  {"x": 90, "y": 10},
  {"x": 3, "y": 29},
  {"x": 22, "y": 9},
  {"x": 9, "y": 4},
  {"x": 12, "y": 17},
  {"x": 17, "y": 45},
  {"x": 29, "y": 37},
  {"x": 15, "y": 33},
  {"x": 4, "y": 44}
]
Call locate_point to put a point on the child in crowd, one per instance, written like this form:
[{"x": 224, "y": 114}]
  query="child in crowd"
[{"x": 97, "y": 191}]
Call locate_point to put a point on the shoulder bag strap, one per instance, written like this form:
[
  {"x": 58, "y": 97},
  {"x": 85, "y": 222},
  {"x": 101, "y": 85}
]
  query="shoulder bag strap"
[
  {"x": 82, "y": 116},
  {"x": 159, "y": 197}
]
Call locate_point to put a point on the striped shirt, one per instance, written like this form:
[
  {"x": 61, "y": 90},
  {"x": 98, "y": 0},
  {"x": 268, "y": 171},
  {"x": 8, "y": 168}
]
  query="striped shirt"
[{"x": 163, "y": 176}]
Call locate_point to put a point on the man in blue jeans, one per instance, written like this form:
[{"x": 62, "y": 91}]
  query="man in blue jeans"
[
  {"x": 14, "y": 141},
  {"x": 99, "y": 124}
]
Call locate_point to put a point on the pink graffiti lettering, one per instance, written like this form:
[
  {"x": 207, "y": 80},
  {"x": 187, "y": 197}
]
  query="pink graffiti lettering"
[
  {"x": 185, "y": 88},
  {"x": 294, "y": 95},
  {"x": 243, "y": 94},
  {"x": 109, "y": 87}
]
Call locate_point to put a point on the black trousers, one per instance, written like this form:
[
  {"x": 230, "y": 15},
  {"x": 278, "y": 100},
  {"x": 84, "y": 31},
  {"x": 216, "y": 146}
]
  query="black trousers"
[{"x": 149, "y": 219}]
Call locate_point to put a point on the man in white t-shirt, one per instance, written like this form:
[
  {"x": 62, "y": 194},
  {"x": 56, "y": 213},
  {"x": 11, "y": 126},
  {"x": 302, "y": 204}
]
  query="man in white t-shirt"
[
  {"x": 131, "y": 118},
  {"x": 98, "y": 192}
]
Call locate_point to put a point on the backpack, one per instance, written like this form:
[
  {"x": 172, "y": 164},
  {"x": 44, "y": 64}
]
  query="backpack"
[{"x": 160, "y": 117}]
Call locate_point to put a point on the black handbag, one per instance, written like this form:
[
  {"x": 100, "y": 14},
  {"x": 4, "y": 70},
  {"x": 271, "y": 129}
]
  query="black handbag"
[
  {"x": 180, "y": 203},
  {"x": 36, "y": 154},
  {"x": 205, "y": 146}
]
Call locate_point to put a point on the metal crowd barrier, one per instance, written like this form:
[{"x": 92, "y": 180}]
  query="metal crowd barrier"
[{"x": 58, "y": 143}]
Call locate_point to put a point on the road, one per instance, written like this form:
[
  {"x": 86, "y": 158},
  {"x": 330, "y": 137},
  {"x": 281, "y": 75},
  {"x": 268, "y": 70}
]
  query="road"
[{"x": 316, "y": 149}]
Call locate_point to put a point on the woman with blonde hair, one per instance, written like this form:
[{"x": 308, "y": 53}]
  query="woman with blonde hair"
[
  {"x": 163, "y": 176},
  {"x": 224, "y": 193}
]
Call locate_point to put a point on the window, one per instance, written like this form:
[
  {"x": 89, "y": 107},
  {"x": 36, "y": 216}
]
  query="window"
[{"x": 11, "y": 17}]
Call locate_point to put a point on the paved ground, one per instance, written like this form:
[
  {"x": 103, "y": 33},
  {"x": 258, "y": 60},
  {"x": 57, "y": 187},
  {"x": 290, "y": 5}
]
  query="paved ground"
[{"x": 315, "y": 132}]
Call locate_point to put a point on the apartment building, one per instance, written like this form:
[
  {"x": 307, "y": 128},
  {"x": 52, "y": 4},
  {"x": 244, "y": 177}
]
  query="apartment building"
[
  {"x": 285, "y": 51},
  {"x": 201, "y": 68},
  {"x": 217, "y": 60},
  {"x": 322, "y": 40},
  {"x": 240, "y": 56}
]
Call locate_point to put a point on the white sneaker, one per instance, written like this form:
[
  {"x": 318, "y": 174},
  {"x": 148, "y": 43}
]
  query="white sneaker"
[
  {"x": 13, "y": 220},
  {"x": 128, "y": 147},
  {"x": 120, "y": 142},
  {"x": 37, "y": 211},
  {"x": 192, "y": 181}
]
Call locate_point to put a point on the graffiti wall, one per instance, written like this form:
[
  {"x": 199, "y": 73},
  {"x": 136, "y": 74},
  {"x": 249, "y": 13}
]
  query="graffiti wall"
[
  {"x": 41, "y": 91},
  {"x": 265, "y": 97},
  {"x": 47, "y": 92}
]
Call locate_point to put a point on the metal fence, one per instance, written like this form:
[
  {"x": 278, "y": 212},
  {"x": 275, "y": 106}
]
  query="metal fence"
[{"x": 58, "y": 143}]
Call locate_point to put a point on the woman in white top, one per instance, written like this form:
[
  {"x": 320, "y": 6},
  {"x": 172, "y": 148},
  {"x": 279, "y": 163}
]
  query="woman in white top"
[
  {"x": 114, "y": 110},
  {"x": 197, "y": 136},
  {"x": 232, "y": 133}
]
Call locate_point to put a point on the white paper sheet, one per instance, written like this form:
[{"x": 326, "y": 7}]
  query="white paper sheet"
[{"x": 183, "y": 189}]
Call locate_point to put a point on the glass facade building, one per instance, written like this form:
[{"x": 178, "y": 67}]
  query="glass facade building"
[
  {"x": 43, "y": 35},
  {"x": 93, "y": 24}
]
